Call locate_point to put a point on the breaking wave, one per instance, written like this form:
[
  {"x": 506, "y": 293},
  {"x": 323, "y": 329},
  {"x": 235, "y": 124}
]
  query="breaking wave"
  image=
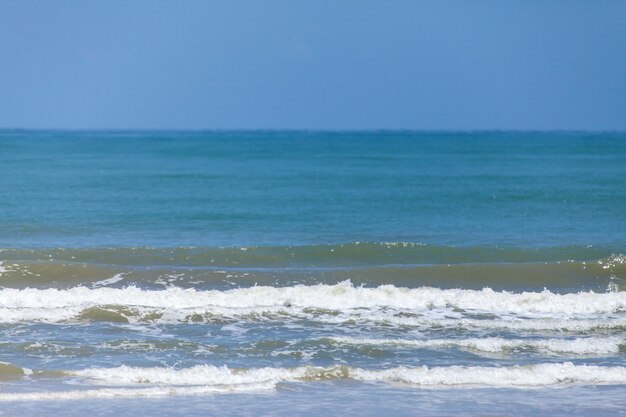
[
  {"x": 57, "y": 305},
  {"x": 125, "y": 381},
  {"x": 578, "y": 346}
]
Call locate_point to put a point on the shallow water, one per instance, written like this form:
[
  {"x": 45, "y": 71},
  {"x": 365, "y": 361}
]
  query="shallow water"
[{"x": 278, "y": 273}]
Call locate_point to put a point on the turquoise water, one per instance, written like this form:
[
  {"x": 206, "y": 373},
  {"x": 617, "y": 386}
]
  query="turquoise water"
[
  {"x": 242, "y": 189},
  {"x": 305, "y": 273}
]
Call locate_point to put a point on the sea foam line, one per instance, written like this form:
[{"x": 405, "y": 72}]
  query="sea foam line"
[
  {"x": 578, "y": 346},
  {"x": 126, "y": 393},
  {"x": 569, "y": 323}
]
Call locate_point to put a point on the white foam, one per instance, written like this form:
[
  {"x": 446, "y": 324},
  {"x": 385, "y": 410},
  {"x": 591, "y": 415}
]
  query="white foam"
[
  {"x": 196, "y": 375},
  {"x": 110, "y": 281},
  {"x": 3, "y": 269},
  {"x": 342, "y": 297},
  {"x": 528, "y": 375},
  {"x": 51, "y": 315},
  {"x": 571, "y": 324},
  {"x": 612, "y": 261},
  {"x": 578, "y": 346},
  {"x": 127, "y": 393},
  {"x": 510, "y": 376},
  {"x": 206, "y": 379}
]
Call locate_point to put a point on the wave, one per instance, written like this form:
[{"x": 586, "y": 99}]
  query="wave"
[
  {"x": 9, "y": 371},
  {"x": 57, "y": 305},
  {"x": 105, "y": 393},
  {"x": 579, "y": 346},
  {"x": 205, "y": 379},
  {"x": 528, "y": 375},
  {"x": 328, "y": 255},
  {"x": 565, "y": 324},
  {"x": 143, "y": 269},
  {"x": 329, "y": 346},
  {"x": 534, "y": 276}
]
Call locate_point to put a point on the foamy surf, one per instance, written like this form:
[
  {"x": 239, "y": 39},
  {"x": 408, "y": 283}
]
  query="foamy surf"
[
  {"x": 568, "y": 323},
  {"x": 577, "y": 346},
  {"x": 112, "y": 393},
  {"x": 526, "y": 376},
  {"x": 56, "y": 305},
  {"x": 128, "y": 381}
]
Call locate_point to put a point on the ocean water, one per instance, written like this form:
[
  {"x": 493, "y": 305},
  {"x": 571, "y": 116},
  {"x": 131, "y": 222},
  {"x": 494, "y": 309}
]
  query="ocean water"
[{"x": 312, "y": 273}]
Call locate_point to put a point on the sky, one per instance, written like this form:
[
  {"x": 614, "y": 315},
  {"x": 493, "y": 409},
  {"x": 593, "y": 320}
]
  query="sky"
[{"x": 323, "y": 64}]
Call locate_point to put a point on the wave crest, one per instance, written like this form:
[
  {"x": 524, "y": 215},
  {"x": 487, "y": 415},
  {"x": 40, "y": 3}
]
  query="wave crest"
[{"x": 57, "y": 305}]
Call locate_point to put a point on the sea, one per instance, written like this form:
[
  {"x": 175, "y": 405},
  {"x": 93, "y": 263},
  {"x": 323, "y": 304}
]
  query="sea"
[{"x": 306, "y": 273}]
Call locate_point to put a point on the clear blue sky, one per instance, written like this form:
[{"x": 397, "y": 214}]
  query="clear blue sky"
[{"x": 528, "y": 64}]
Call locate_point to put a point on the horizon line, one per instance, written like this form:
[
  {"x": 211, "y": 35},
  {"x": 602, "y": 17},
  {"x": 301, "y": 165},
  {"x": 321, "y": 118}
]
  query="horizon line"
[{"x": 300, "y": 130}]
